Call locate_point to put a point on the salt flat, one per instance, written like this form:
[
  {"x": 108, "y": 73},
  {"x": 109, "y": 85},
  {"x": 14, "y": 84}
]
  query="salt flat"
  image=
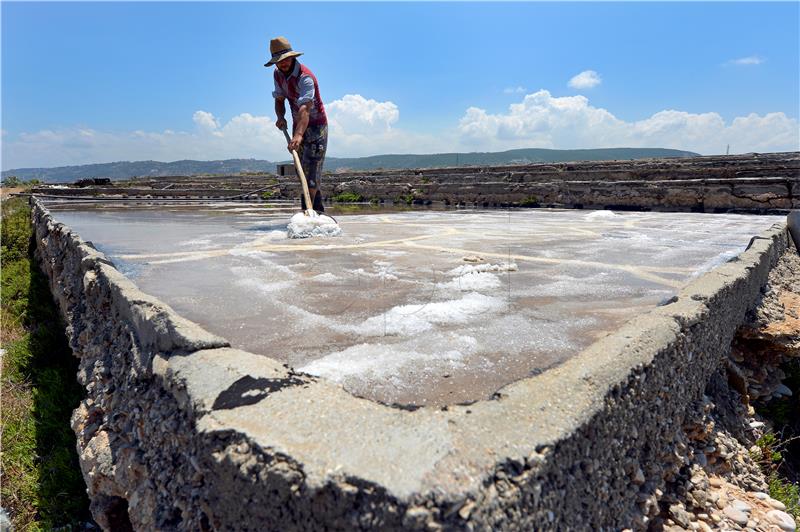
[{"x": 419, "y": 307}]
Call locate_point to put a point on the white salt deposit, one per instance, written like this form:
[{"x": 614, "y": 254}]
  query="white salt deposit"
[
  {"x": 477, "y": 268},
  {"x": 304, "y": 226},
  {"x": 595, "y": 215},
  {"x": 379, "y": 363},
  {"x": 406, "y": 320},
  {"x": 472, "y": 281},
  {"x": 202, "y": 243},
  {"x": 712, "y": 263},
  {"x": 384, "y": 271},
  {"x": 325, "y": 278},
  {"x": 264, "y": 287}
]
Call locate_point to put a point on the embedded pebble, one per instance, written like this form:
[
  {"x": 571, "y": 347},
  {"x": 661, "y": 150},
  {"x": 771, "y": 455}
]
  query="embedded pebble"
[
  {"x": 782, "y": 389},
  {"x": 756, "y": 424},
  {"x": 778, "y": 505},
  {"x": 680, "y": 516},
  {"x": 782, "y": 519},
  {"x": 741, "y": 506},
  {"x": 737, "y": 516},
  {"x": 760, "y": 495}
]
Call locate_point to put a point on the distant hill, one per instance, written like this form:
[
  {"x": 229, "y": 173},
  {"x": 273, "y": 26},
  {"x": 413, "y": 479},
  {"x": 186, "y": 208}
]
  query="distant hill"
[
  {"x": 125, "y": 169},
  {"x": 521, "y": 156}
]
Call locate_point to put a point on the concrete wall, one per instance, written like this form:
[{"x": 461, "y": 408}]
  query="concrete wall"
[{"x": 180, "y": 432}]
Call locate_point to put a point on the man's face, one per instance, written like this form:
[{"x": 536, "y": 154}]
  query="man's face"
[{"x": 285, "y": 65}]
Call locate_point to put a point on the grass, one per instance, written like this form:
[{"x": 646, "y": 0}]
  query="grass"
[
  {"x": 348, "y": 197},
  {"x": 42, "y": 488},
  {"x": 780, "y": 450},
  {"x": 772, "y": 459},
  {"x": 530, "y": 201}
]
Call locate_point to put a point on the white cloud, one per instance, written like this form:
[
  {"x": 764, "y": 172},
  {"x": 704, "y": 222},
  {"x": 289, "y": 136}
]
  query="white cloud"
[
  {"x": 206, "y": 122},
  {"x": 360, "y": 126},
  {"x": 514, "y": 90},
  {"x": 544, "y": 121},
  {"x": 585, "y": 80},
  {"x": 747, "y": 61},
  {"x": 243, "y": 136}
]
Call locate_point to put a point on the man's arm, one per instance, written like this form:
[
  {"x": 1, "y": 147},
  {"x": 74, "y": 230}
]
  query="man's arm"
[
  {"x": 280, "y": 112},
  {"x": 300, "y": 126}
]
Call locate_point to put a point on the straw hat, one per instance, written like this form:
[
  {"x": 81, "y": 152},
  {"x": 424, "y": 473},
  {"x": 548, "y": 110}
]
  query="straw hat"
[{"x": 280, "y": 50}]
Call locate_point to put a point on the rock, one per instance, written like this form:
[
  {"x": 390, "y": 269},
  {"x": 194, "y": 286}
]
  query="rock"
[
  {"x": 760, "y": 495},
  {"x": 756, "y": 424},
  {"x": 783, "y": 520},
  {"x": 737, "y": 516},
  {"x": 700, "y": 496},
  {"x": 778, "y": 505},
  {"x": 638, "y": 477},
  {"x": 701, "y": 459},
  {"x": 783, "y": 390},
  {"x": 722, "y": 502},
  {"x": 715, "y": 482},
  {"x": 741, "y": 506},
  {"x": 466, "y": 510},
  {"x": 680, "y": 516}
]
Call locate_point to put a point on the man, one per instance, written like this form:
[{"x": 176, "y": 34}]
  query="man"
[{"x": 296, "y": 83}]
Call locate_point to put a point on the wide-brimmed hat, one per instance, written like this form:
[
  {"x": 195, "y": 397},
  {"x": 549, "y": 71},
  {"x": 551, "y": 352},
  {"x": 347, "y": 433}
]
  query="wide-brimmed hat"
[{"x": 280, "y": 49}]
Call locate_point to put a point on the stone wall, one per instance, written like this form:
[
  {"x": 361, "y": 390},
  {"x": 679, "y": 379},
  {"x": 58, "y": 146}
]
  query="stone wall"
[
  {"x": 751, "y": 182},
  {"x": 179, "y": 431}
]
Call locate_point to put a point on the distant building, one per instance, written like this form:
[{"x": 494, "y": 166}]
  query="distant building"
[{"x": 286, "y": 169}]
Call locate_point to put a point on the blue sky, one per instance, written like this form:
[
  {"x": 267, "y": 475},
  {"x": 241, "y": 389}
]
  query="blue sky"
[{"x": 99, "y": 82}]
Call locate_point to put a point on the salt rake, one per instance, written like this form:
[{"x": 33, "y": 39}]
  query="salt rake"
[{"x": 299, "y": 168}]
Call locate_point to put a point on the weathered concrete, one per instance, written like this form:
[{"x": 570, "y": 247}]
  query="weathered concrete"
[{"x": 188, "y": 434}]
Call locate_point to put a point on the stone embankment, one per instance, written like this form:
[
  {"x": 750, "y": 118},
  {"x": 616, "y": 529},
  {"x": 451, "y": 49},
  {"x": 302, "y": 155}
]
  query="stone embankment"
[
  {"x": 179, "y": 431},
  {"x": 751, "y": 183},
  {"x": 748, "y": 182}
]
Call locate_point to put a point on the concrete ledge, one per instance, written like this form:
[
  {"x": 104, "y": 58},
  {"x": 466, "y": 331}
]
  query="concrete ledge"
[{"x": 186, "y": 433}]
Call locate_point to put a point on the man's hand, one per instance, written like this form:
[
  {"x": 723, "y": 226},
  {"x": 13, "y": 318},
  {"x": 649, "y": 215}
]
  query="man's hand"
[
  {"x": 294, "y": 144},
  {"x": 281, "y": 123}
]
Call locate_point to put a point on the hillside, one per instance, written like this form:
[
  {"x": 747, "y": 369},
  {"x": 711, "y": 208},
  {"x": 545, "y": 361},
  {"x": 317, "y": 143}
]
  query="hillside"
[{"x": 125, "y": 169}]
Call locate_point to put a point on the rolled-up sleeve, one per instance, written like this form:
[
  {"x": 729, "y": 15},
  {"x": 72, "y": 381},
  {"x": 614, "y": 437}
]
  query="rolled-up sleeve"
[{"x": 305, "y": 90}]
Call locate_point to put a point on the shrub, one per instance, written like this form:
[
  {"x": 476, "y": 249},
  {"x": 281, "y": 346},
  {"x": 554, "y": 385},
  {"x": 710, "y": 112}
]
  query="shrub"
[{"x": 348, "y": 197}]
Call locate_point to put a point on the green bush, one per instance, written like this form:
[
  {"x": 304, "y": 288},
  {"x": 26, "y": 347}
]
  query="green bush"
[
  {"x": 348, "y": 197},
  {"x": 408, "y": 199},
  {"x": 11, "y": 181}
]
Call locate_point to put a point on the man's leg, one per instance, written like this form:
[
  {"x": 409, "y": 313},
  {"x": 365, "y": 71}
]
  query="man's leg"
[{"x": 315, "y": 144}]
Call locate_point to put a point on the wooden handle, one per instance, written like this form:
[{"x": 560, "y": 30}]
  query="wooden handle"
[{"x": 299, "y": 168}]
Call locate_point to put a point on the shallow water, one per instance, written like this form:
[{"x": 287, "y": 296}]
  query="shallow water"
[{"x": 418, "y": 307}]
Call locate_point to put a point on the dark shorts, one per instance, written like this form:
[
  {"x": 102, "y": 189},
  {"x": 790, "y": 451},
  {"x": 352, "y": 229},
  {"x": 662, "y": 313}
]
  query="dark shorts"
[{"x": 312, "y": 153}]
